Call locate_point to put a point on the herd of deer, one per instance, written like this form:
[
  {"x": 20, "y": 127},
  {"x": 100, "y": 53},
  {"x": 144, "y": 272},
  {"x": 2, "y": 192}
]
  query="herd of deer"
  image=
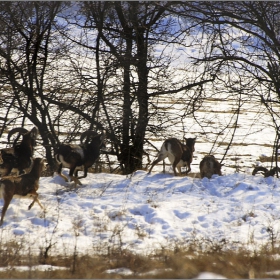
[{"x": 19, "y": 159}]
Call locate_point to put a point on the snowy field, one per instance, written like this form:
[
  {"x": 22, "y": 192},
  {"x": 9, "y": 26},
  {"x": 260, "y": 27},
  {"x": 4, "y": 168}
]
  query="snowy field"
[
  {"x": 252, "y": 143},
  {"x": 145, "y": 212}
]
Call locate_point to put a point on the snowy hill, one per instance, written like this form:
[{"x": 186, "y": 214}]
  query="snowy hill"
[{"x": 143, "y": 212}]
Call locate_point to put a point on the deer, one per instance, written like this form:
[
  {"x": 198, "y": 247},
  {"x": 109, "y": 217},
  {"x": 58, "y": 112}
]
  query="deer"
[
  {"x": 79, "y": 157},
  {"x": 24, "y": 186},
  {"x": 265, "y": 172},
  {"x": 179, "y": 155},
  {"x": 209, "y": 166},
  {"x": 18, "y": 158}
]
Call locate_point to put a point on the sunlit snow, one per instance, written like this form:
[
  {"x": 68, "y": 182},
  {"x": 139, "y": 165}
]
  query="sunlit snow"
[{"x": 142, "y": 212}]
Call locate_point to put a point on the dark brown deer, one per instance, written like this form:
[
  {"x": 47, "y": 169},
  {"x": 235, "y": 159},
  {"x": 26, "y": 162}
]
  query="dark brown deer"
[
  {"x": 24, "y": 186},
  {"x": 79, "y": 157},
  {"x": 209, "y": 166},
  {"x": 179, "y": 155},
  {"x": 19, "y": 157},
  {"x": 265, "y": 172}
]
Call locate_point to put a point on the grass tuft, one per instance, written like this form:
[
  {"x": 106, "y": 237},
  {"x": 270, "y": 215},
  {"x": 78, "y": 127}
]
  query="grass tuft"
[{"x": 174, "y": 260}]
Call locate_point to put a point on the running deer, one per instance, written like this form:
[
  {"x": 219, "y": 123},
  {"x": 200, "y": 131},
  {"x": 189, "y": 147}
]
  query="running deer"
[
  {"x": 180, "y": 155},
  {"x": 24, "y": 186},
  {"x": 79, "y": 157}
]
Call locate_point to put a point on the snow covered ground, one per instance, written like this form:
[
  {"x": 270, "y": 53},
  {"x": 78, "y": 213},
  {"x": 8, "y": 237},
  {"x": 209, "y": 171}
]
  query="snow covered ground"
[{"x": 142, "y": 212}]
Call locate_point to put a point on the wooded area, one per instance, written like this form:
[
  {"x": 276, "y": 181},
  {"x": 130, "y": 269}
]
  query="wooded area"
[{"x": 71, "y": 66}]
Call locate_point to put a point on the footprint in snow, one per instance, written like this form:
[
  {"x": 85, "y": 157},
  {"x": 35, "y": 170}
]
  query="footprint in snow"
[{"x": 180, "y": 215}]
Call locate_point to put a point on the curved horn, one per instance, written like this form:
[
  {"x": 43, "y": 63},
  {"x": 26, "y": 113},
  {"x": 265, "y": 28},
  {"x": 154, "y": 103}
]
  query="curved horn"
[
  {"x": 20, "y": 130},
  {"x": 86, "y": 134}
]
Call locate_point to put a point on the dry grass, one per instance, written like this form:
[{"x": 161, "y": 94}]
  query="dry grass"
[
  {"x": 267, "y": 159},
  {"x": 176, "y": 260},
  {"x": 184, "y": 260}
]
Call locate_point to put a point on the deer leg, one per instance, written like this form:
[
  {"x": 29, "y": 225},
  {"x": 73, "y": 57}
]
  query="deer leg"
[
  {"x": 160, "y": 158},
  {"x": 35, "y": 199},
  {"x": 76, "y": 173},
  {"x": 153, "y": 164},
  {"x": 85, "y": 173},
  {"x": 176, "y": 161},
  {"x": 40, "y": 204},
  {"x": 76, "y": 181},
  {"x": 7, "y": 200},
  {"x": 81, "y": 177},
  {"x": 189, "y": 168},
  {"x": 60, "y": 174},
  {"x": 74, "y": 177}
]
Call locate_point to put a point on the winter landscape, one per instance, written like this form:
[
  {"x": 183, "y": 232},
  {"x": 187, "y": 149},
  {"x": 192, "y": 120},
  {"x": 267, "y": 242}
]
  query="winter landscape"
[
  {"x": 145, "y": 213},
  {"x": 143, "y": 72}
]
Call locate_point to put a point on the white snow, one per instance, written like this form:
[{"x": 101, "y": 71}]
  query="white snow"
[
  {"x": 142, "y": 212},
  {"x": 209, "y": 275},
  {"x": 43, "y": 267}
]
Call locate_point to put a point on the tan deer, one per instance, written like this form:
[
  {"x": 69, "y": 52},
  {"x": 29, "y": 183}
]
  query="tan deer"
[{"x": 179, "y": 155}]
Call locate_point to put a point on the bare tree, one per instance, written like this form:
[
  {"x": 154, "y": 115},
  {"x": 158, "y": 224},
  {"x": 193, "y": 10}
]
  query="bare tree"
[
  {"x": 127, "y": 35},
  {"x": 37, "y": 81},
  {"x": 26, "y": 36},
  {"x": 243, "y": 43}
]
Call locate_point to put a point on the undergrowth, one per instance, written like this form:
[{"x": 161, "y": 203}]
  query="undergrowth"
[{"x": 176, "y": 261}]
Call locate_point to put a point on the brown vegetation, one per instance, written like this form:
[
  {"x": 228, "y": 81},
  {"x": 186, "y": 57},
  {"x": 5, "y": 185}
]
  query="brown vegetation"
[{"x": 183, "y": 261}]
